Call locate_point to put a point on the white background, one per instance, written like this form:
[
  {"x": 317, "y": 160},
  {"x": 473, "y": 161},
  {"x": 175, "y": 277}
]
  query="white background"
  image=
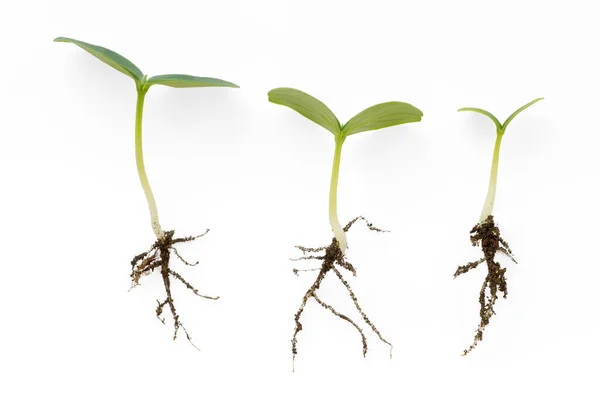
[{"x": 73, "y": 213}]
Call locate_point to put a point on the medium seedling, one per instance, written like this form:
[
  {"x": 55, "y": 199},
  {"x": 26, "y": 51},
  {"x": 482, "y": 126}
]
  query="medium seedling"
[
  {"x": 333, "y": 256},
  {"x": 159, "y": 255},
  {"x": 487, "y": 234}
]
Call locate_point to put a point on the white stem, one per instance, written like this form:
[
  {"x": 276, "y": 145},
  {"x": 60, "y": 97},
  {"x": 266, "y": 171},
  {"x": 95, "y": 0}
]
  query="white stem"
[
  {"x": 139, "y": 160},
  {"x": 488, "y": 206},
  {"x": 338, "y": 232}
]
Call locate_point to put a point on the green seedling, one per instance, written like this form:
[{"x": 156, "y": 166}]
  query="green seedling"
[
  {"x": 379, "y": 116},
  {"x": 159, "y": 254},
  {"x": 487, "y": 234}
]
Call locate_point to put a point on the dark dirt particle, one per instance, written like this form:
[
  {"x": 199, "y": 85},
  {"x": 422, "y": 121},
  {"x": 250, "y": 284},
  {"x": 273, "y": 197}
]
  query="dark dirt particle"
[
  {"x": 487, "y": 234},
  {"x": 158, "y": 258},
  {"x": 332, "y": 259}
]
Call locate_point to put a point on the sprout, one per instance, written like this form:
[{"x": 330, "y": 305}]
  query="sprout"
[
  {"x": 157, "y": 258},
  {"x": 379, "y": 116},
  {"x": 488, "y": 206},
  {"x": 487, "y": 234}
]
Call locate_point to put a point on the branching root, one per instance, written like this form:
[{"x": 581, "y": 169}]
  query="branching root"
[
  {"x": 488, "y": 236},
  {"x": 158, "y": 258},
  {"x": 332, "y": 257}
]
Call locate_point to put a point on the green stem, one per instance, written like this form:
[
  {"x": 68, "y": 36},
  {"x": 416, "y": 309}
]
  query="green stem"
[
  {"x": 139, "y": 160},
  {"x": 338, "y": 232},
  {"x": 488, "y": 206}
]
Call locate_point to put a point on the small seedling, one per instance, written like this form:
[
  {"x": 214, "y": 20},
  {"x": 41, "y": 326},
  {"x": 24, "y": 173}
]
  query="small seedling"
[
  {"x": 159, "y": 255},
  {"x": 333, "y": 256},
  {"x": 487, "y": 233}
]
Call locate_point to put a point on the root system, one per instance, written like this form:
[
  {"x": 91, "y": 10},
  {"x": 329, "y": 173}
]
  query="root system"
[
  {"x": 488, "y": 235},
  {"x": 332, "y": 260},
  {"x": 158, "y": 258}
]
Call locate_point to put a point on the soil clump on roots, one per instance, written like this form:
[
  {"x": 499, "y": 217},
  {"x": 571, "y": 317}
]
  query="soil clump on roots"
[
  {"x": 159, "y": 258},
  {"x": 332, "y": 260},
  {"x": 487, "y": 234}
]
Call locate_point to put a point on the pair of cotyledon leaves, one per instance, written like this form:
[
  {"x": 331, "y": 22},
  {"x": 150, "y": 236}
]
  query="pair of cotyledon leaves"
[
  {"x": 501, "y": 128},
  {"x": 376, "y": 117},
  {"x": 125, "y": 66}
]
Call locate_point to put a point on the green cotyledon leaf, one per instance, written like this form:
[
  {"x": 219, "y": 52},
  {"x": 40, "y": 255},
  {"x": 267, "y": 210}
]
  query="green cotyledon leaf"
[
  {"x": 308, "y": 106},
  {"x": 188, "y": 81},
  {"x": 382, "y": 116},
  {"x": 486, "y": 113},
  {"x": 109, "y": 57},
  {"x": 513, "y": 115}
]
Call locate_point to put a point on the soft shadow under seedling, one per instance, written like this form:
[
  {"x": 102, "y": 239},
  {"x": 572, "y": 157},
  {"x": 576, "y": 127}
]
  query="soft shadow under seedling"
[
  {"x": 159, "y": 255},
  {"x": 487, "y": 233},
  {"x": 333, "y": 256}
]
